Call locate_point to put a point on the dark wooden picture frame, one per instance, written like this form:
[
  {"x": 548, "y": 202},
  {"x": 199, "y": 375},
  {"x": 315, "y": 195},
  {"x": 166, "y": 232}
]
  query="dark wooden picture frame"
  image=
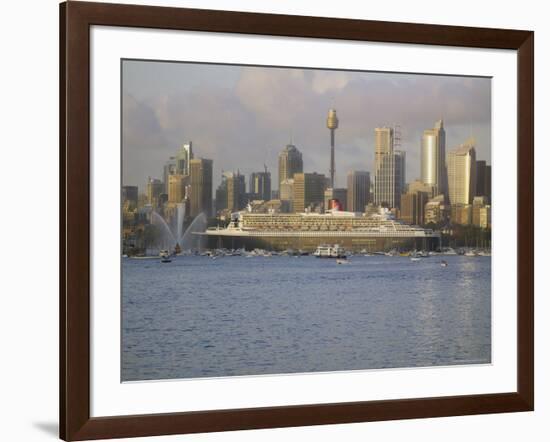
[{"x": 75, "y": 21}]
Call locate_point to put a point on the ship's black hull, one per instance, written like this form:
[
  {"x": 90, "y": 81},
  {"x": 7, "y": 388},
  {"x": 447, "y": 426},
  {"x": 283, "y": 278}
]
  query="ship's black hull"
[{"x": 310, "y": 244}]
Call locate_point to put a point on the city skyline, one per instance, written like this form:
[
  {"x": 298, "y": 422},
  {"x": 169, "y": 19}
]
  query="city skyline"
[{"x": 160, "y": 118}]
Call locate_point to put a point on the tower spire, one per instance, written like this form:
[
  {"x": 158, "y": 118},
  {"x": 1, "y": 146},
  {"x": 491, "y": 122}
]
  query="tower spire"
[{"x": 332, "y": 125}]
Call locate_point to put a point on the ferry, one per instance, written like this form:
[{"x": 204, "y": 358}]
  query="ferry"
[{"x": 330, "y": 251}]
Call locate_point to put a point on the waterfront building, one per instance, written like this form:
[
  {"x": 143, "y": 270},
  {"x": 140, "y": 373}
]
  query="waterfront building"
[
  {"x": 260, "y": 185},
  {"x": 200, "y": 173},
  {"x": 358, "y": 195},
  {"x": 461, "y": 214},
  {"x": 153, "y": 190},
  {"x": 130, "y": 196},
  {"x": 436, "y": 210},
  {"x": 432, "y": 163},
  {"x": 290, "y": 163},
  {"x": 170, "y": 168},
  {"x": 331, "y": 195},
  {"x": 306, "y": 231},
  {"x": 461, "y": 169},
  {"x": 176, "y": 187},
  {"x": 236, "y": 191},
  {"x": 332, "y": 125},
  {"x": 481, "y": 212},
  {"x": 412, "y": 207},
  {"x": 389, "y": 178},
  {"x": 183, "y": 159},
  {"x": 308, "y": 191}
]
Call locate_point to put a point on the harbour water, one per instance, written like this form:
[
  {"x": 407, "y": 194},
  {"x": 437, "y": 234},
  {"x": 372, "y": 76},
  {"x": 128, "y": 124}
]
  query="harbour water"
[{"x": 234, "y": 316}]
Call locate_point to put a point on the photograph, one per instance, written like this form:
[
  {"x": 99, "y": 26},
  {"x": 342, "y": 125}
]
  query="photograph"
[{"x": 284, "y": 219}]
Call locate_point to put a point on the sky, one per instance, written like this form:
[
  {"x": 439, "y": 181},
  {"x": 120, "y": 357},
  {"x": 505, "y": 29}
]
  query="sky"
[{"x": 242, "y": 116}]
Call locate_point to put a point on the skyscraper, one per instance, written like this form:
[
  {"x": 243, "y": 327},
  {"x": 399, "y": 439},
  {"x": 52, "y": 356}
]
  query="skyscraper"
[
  {"x": 290, "y": 162},
  {"x": 176, "y": 187},
  {"x": 221, "y": 194},
  {"x": 170, "y": 168},
  {"x": 483, "y": 179},
  {"x": 412, "y": 207},
  {"x": 400, "y": 175},
  {"x": 154, "y": 189},
  {"x": 389, "y": 178},
  {"x": 236, "y": 191},
  {"x": 183, "y": 158},
  {"x": 358, "y": 191},
  {"x": 260, "y": 185},
  {"x": 200, "y": 172},
  {"x": 332, "y": 125},
  {"x": 461, "y": 167},
  {"x": 130, "y": 195},
  {"x": 432, "y": 165},
  {"x": 308, "y": 190}
]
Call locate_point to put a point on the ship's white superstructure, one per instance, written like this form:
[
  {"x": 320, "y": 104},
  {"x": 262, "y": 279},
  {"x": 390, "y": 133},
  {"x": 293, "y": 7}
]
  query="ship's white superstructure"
[{"x": 335, "y": 224}]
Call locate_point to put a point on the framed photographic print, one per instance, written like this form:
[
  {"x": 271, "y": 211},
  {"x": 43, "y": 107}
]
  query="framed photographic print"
[{"x": 274, "y": 221}]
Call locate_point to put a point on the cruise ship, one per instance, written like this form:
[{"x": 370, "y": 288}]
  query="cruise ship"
[{"x": 307, "y": 231}]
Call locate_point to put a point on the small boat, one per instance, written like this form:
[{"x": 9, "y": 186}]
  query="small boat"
[
  {"x": 341, "y": 261},
  {"x": 330, "y": 251},
  {"x": 165, "y": 256},
  {"x": 470, "y": 253},
  {"x": 415, "y": 258},
  {"x": 444, "y": 263}
]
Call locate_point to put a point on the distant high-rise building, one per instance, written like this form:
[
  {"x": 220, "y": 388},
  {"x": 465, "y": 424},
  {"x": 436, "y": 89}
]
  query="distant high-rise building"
[
  {"x": 236, "y": 191},
  {"x": 286, "y": 189},
  {"x": 183, "y": 159},
  {"x": 290, "y": 162},
  {"x": 332, "y": 125},
  {"x": 389, "y": 178},
  {"x": 170, "y": 168},
  {"x": 340, "y": 195},
  {"x": 461, "y": 169},
  {"x": 358, "y": 195},
  {"x": 200, "y": 174},
  {"x": 483, "y": 179},
  {"x": 260, "y": 185},
  {"x": 221, "y": 194},
  {"x": 154, "y": 189},
  {"x": 419, "y": 186},
  {"x": 383, "y": 145},
  {"x": 308, "y": 191},
  {"x": 432, "y": 165},
  {"x": 481, "y": 212},
  {"x": 176, "y": 187},
  {"x": 412, "y": 207},
  {"x": 400, "y": 175},
  {"x": 130, "y": 195}
]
